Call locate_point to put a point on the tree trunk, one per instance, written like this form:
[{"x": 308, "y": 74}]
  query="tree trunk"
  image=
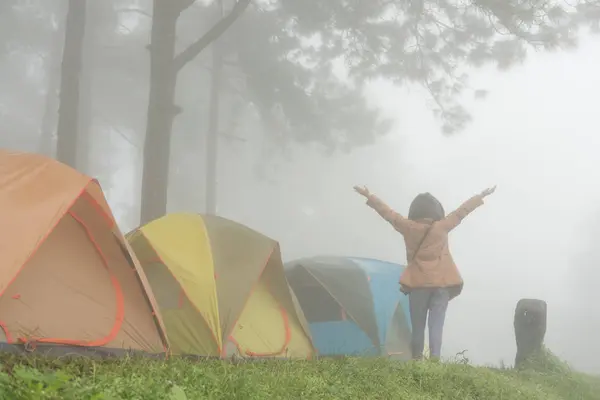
[
  {"x": 85, "y": 117},
  {"x": 85, "y": 120},
  {"x": 164, "y": 67},
  {"x": 68, "y": 110},
  {"x": 47, "y": 143},
  {"x": 161, "y": 112},
  {"x": 212, "y": 139}
]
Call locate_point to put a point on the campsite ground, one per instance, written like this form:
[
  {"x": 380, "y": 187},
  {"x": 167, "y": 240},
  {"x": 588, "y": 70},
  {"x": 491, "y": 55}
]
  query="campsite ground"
[{"x": 35, "y": 379}]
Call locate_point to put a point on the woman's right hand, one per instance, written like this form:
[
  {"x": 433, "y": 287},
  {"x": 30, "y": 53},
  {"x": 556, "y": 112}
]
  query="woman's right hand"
[
  {"x": 487, "y": 192},
  {"x": 363, "y": 191}
]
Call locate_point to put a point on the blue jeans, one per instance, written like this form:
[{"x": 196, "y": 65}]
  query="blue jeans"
[{"x": 424, "y": 302}]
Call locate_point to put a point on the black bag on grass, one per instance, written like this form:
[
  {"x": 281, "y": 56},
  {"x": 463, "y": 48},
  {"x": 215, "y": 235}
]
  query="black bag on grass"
[{"x": 530, "y": 328}]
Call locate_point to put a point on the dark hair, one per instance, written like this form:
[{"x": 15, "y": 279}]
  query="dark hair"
[{"x": 426, "y": 206}]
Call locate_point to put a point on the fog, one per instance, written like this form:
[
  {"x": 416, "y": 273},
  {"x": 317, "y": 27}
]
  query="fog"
[{"x": 534, "y": 135}]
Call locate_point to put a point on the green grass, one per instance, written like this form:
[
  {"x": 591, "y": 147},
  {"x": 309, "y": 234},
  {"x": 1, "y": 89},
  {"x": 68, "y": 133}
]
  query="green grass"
[{"x": 34, "y": 378}]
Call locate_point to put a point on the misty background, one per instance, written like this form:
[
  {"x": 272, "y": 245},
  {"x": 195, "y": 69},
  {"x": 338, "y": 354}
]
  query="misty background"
[{"x": 533, "y": 133}]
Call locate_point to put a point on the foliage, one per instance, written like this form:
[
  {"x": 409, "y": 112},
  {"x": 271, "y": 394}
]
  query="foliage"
[
  {"x": 177, "y": 379},
  {"x": 432, "y": 43},
  {"x": 546, "y": 361},
  {"x": 286, "y": 56},
  {"x": 296, "y": 100},
  {"x": 548, "y": 369}
]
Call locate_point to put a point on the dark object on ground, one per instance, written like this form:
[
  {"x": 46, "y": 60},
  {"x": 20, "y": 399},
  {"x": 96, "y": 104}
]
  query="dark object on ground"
[{"x": 530, "y": 328}]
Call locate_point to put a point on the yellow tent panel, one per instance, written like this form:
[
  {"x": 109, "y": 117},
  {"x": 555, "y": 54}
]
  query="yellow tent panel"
[{"x": 221, "y": 288}]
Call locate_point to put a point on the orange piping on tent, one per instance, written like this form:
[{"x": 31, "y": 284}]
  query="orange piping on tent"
[
  {"x": 35, "y": 250},
  {"x": 111, "y": 224},
  {"x": 249, "y": 295},
  {"x": 9, "y": 338},
  {"x": 344, "y": 316},
  {"x": 92, "y": 201},
  {"x": 163, "y": 335},
  {"x": 159, "y": 260},
  {"x": 42, "y": 241},
  {"x": 120, "y": 313},
  {"x": 288, "y": 339},
  {"x": 230, "y": 335},
  {"x": 235, "y": 342},
  {"x": 181, "y": 297}
]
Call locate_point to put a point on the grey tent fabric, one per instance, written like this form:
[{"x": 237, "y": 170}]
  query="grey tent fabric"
[
  {"x": 397, "y": 344},
  {"x": 352, "y": 292}
]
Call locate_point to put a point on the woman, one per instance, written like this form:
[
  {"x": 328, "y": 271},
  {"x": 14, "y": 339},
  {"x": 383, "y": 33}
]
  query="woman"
[{"x": 431, "y": 278}]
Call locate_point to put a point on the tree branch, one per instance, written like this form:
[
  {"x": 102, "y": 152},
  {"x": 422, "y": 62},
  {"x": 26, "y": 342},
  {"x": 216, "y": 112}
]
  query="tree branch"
[{"x": 213, "y": 34}]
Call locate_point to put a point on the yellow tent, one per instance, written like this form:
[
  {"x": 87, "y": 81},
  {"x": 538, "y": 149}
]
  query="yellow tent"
[{"x": 221, "y": 288}]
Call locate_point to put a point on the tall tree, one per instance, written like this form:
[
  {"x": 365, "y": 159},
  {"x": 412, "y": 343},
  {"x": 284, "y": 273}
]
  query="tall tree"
[
  {"x": 294, "y": 83},
  {"x": 68, "y": 111},
  {"x": 164, "y": 68},
  {"x": 97, "y": 25},
  {"x": 84, "y": 116},
  {"x": 212, "y": 139},
  {"x": 52, "y": 63}
]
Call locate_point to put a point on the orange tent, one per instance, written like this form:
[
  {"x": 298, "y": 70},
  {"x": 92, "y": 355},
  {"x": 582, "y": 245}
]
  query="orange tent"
[{"x": 68, "y": 278}]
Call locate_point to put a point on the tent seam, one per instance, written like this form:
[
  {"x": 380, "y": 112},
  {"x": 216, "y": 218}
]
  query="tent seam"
[{"x": 44, "y": 238}]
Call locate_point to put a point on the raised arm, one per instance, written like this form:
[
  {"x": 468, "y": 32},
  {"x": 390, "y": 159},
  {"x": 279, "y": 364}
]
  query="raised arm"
[
  {"x": 454, "y": 219},
  {"x": 399, "y": 223}
]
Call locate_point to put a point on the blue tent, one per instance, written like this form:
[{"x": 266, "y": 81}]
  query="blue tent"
[{"x": 353, "y": 305}]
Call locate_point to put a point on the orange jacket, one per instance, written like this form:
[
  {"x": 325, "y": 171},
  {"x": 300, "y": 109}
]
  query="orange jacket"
[{"x": 433, "y": 265}]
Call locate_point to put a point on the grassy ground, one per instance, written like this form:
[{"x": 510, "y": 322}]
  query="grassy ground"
[{"x": 34, "y": 379}]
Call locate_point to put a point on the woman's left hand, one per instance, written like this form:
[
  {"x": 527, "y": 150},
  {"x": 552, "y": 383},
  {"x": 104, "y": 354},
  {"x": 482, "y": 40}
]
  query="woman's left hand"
[
  {"x": 488, "y": 192},
  {"x": 362, "y": 191}
]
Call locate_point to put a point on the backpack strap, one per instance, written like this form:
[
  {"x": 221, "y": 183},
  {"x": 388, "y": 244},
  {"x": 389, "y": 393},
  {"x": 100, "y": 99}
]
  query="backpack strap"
[{"x": 421, "y": 242}]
